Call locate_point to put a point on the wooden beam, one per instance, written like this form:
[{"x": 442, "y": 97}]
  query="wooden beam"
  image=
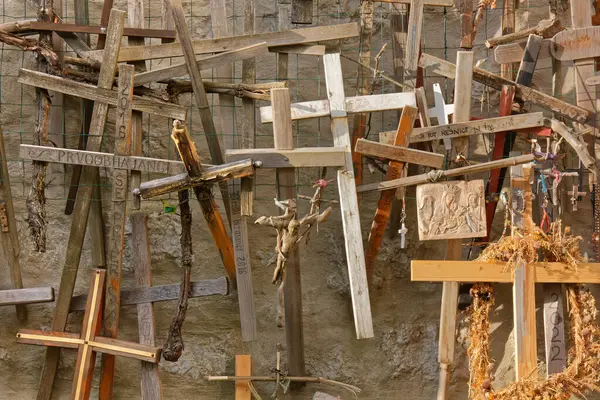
[
  {"x": 26, "y": 296},
  {"x": 481, "y": 271},
  {"x": 11, "y": 246},
  {"x": 296, "y": 158},
  {"x": 210, "y": 132},
  {"x": 159, "y": 293},
  {"x": 413, "y": 41},
  {"x": 286, "y": 189},
  {"x": 477, "y": 127},
  {"x": 98, "y": 30},
  {"x": 98, "y": 159},
  {"x": 304, "y": 49},
  {"x": 513, "y": 52},
  {"x": 273, "y": 39},
  {"x": 243, "y": 367},
  {"x": 425, "y": 178},
  {"x": 546, "y": 28},
  {"x": 522, "y": 92},
  {"x": 358, "y": 104},
  {"x": 82, "y": 204},
  {"x": 214, "y": 174},
  {"x": 116, "y": 235},
  {"x": 398, "y": 153},
  {"x": 104, "y": 95},
  {"x": 359, "y": 288}
]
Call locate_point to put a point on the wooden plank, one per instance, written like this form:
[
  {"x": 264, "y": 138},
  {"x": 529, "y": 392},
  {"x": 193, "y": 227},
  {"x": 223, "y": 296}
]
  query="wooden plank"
[
  {"x": 384, "y": 205},
  {"x": 398, "y": 153},
  {"x": 243, "y": 367},
  {"x": 358, "y": 104},
  {"x": 513, "y": 52},
  {"x": 529, "y": 60},
  {"x": 440, "y": 3},
  {"x": 286, "y": 189},
  {"x": 477, "y": 127},
  {"x": 26, "y": 296},
  {"x": 303, "y": 49},
  {"x": 295, "y": 158},
  {"x": 210, "y": 132},
  {"x": 150, "y": 377},
  {"x": 479, "y": 271},
  {"x": 117, "y": 216},
  {"x": 508, "y": 27},
  {"x": 99, "y": 159},
  {"x": 554, "y": 329},
  {"x": 425, "y": 178},
  {"x": 82, "y": 204},
  {"x": 546, "y": 28},
  {"x": 156, "y": 294},
  {"x": 97, "y": 30},
  {"x": 577, "y": 43},
  {"x": 103, "y": 95},
  {"x": 273, "y": 39},
  {"x": 355, "y": 257},
  {"x": 413, "y": 41},
  {"x": 463, "y": 84},
  {"x": 11, "y": 246},
  {"x": 522, "y": 92}
]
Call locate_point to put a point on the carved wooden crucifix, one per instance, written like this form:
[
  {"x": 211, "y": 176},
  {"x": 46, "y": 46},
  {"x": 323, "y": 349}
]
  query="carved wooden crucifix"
[
  {"x": 89, "y": 342},
  {"x": 337, "y": 107}
]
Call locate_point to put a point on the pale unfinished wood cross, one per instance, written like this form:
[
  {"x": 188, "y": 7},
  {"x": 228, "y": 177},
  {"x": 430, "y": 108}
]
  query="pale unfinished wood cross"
[
  {"x": 337, "y": 107},
  {"x": 89, "y": 342}
]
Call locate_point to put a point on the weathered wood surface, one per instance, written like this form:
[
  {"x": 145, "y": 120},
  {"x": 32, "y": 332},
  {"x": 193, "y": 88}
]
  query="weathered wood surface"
[
  {"x": 11, "y": 246},
  {"x": 384, "y": 205},
  {"x": 99, "y": 94},
  {"x": 440, "y": 3},
  {"x": 513, "y": 52},
  {"x": 577, "y": 43},
  {"x": 150, "y": 378},
  {"x": 214, "y": 174},
  {"x": 324, "y": 396},
  {"x": 554, "y": 329},
  {"x": 304, "y": 49},
  {"x": 286, "y": 189},
  {"x": 210, "y": 133},
  {"x": 398, "y": 153},
  {"x": 546, "y": 28},
  {"x": 522, "y": 92},
  {"x": 294, "y": 158},
  {"x": 425, "y": 178},
  {"x": 243, "y": 367},
  {"x": 359, "y": 288},
  {"x": 82, "y": 204},
  {"x": 413, "y": 41},
  {"x": 302, "y": 11},
  {"x": 156, "y": 294},
  {"x": 529, "y": 60},
  {"x": 357, "y": 104},
  {"x": 463, "y": 84},
  {"x": 73, "y": 28},
  {"x": 26, "y": 296},
  {"x": 214, "y": 61},
  {"x": 593, "y": 81},
  {"x": 480, "y": 271},
  {"x": 99, "y": 159},
  {"x": 478, "y": 127},
  {"x": 273, "y": 39},
  {"x": 451, "y": 210},
  {"x": 117, "y": 221}
]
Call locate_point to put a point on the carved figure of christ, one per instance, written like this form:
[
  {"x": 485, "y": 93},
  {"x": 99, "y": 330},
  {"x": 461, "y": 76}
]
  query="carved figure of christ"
[{"x": 88, "y": 342}]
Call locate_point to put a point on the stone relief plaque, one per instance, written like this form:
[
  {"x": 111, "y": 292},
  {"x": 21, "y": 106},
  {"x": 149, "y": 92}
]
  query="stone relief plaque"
[{"x": 451, "y": 210}]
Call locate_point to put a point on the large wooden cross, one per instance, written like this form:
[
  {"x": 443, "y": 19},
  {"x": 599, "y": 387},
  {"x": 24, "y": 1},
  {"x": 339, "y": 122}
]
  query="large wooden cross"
[
  {"x": 89, "y": 342},
  {"x": 337, "y": 108}
]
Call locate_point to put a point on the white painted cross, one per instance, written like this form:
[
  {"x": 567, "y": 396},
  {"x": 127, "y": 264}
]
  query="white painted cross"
[{"x": 441, "y": 111}]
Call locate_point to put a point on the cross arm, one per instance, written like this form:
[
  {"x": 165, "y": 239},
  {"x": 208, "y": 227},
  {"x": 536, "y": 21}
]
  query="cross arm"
[
  {"x": 295, "y": 158},
  {"x": 480, "y": 271},
  {"x": 100, "y": 30},
  {"x": 399, "y": 153},
  {"x": 29, "y": 295},
  {"x": 208, "y": 176},
  {"x": 49, "y": 338},
  {"x": 118, "y": 347},
  {"x": 90, "y": 92}
]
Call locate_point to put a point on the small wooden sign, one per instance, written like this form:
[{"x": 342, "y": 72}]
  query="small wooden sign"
[{"x": 451, "y": 210}]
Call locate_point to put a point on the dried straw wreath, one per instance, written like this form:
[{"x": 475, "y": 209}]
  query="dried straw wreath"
[{"x": 583, "y": 371}]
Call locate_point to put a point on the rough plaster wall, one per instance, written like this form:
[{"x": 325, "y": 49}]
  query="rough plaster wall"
[{"x": 400, "y": 362}]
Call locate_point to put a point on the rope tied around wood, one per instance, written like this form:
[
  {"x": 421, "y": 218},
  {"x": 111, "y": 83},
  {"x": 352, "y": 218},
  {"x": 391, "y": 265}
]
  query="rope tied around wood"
[{"x": 583, "y": 371}]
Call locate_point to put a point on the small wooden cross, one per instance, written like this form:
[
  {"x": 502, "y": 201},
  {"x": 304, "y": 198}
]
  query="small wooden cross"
[
  {"x": 441, "y": 111},
  {"x": 89, "y": 342},
  {"x": 575, "y": 196}
]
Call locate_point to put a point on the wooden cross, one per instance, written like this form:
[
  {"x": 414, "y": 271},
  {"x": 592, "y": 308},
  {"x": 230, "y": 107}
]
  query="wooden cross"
[
  {"x": 337, "y": 107},
  {"x": 575, "y": 196},
  {"x": 89, "y": 342},
  {"x": 441, "y": 111},
  {"x": 82, "y": 204}
]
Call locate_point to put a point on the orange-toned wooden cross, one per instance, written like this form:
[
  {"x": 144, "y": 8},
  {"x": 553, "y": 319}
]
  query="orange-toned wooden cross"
[{"x": 88, "y": 342}]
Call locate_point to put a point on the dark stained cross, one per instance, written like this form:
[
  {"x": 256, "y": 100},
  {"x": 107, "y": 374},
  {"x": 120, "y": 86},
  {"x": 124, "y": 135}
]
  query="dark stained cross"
[{"x": 88, "y": 342}]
